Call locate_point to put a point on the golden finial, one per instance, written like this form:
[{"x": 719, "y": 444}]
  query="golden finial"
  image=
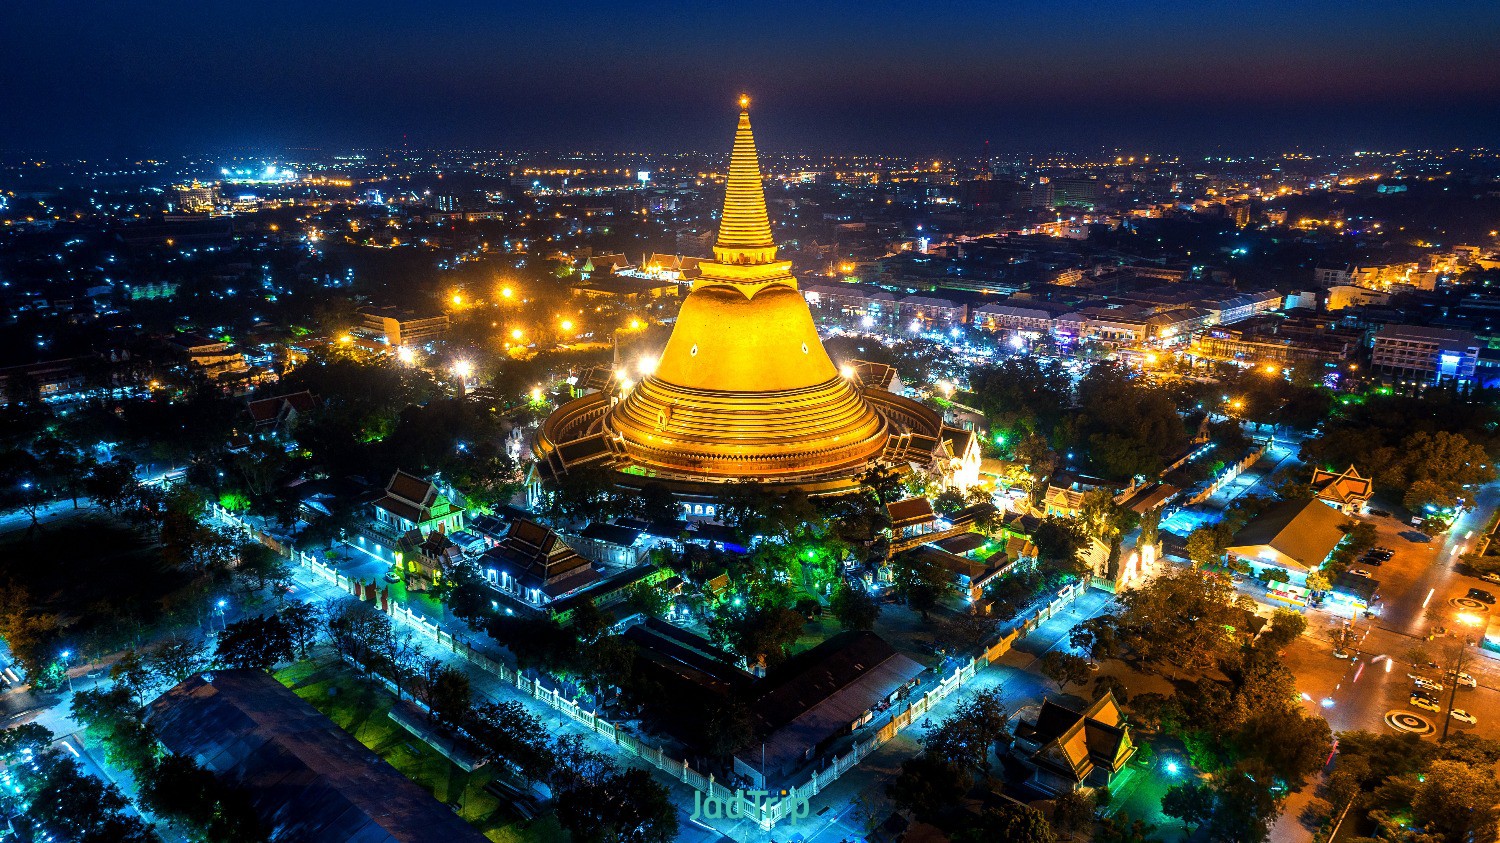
[{"x": 744, "y": 102}]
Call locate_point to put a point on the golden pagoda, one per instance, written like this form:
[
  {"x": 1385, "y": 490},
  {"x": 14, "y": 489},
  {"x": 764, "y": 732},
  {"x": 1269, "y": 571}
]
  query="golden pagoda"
[{"x": 744, "y": 390}]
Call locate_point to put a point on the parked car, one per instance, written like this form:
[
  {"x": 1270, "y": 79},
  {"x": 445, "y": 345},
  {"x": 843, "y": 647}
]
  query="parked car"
[
  {"x": 1463, "y": 716},
  {"x": 1424, "y": 702},
  {"x": 1380, "y": 512},
  {"x": 1463, "y": 680},
  {"x": 1482, "y": 596},
  {"x": 1494, "y": 578},
  {"x": 1341, "y": 654},
  {"x": 1359, "y": 572}
]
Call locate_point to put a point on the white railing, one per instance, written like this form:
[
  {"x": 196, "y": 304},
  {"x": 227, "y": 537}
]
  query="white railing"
[{"x": 770, "y": 813}]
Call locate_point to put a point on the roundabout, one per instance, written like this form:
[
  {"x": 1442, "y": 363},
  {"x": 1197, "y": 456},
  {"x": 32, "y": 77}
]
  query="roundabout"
[
  {"x": 1468, "y": 604},
  {"x": 1410, "y": 722}
]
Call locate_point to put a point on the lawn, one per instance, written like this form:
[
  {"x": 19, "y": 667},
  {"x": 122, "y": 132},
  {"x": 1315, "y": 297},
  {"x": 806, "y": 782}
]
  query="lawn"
[{"x": 361, "y": 708}]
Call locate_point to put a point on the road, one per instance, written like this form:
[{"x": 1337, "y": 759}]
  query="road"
[{"x": 1371, "y": 690}]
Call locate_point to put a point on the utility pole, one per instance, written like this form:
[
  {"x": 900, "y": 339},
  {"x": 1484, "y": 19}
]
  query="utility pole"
[{"x": 1452, "y": 678}]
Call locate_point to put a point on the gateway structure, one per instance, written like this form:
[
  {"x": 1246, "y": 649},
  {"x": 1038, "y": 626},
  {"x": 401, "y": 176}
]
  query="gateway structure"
[{"x": 744, "y": 391}]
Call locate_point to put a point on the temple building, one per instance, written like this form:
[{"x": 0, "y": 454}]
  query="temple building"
[{"x": 743, "y": 390}]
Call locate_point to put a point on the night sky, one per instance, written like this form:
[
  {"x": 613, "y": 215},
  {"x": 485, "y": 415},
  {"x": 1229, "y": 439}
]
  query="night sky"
[{"x": 113, "y": 76}]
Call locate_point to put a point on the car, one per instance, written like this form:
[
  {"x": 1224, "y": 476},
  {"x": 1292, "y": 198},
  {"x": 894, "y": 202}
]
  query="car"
[
  {"x": 1341, "y": 654},
  {"x": 1372, "y": 562},
  {"x": 1482, "y": 596},
  {"x": 1427, "y": 684},
  {"x": 1463, "y": 716},
  {"x": 1463, "y": 679},
  {"x": 1424, "y": 703},
  {"x": 1494, "y": 578},
  {"x": 392, "y": 576},
  {"x": 1359, "y": 572},
  {"x": 1380, "y": 513}
]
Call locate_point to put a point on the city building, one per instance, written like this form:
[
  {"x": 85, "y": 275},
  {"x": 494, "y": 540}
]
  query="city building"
[
  {"x": 305, "y": 777},
  {"x": 214, "y": 358},
  {"x": 744, "y": 390},
  {"x": 1295, "y": 536},
  {"x": 533, "y": 564},
  {"x": 397, "y": 328},
  {"x": 276, "y": 416},
  {"x": 1066, "y": 748},
  {"x": 1421, "y": 355},
  {"x": 1345, "y": 490},
  {"x": 815, "y": 697},
  {"x": 411, "y": 503}
]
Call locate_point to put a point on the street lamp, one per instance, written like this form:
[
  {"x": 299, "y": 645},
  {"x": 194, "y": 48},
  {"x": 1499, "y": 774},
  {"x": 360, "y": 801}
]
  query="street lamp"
[
  {"x": 219, "y": 608},
  {"x": 67, "y": 656},
  {"x": 1458, "y": 667},
  {"x": 463, "y": 369}
]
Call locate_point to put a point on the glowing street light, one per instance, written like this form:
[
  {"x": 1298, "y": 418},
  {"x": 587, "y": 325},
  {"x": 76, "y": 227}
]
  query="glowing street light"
[
  {"x": 458, "y": 300},
  {"x": 406, "y": 355},
  {"x": 516, "y": 334},
  {"x": 536, "y": 394},
  {"x": 567, "y": 324},
  {"x": 463, "y": 369},
  {"x": 647, "y": 366},
  {"x": 507, "y": 293}
]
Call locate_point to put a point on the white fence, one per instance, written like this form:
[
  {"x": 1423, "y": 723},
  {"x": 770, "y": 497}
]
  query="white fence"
[{"x": 770, "y": 812}]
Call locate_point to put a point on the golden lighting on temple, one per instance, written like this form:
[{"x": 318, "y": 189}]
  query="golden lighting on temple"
[{"x": 743, "y": 389}]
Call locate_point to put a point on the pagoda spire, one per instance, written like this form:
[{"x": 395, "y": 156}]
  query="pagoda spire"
[{"x": 744, "y": 227}]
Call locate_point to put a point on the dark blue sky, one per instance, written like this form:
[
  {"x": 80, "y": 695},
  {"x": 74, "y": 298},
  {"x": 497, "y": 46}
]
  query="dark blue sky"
[{"x": 174, "y": 75}]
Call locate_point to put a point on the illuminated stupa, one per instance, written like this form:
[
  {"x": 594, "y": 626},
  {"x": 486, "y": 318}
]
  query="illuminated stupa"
[{"x": 744, "y": 390}]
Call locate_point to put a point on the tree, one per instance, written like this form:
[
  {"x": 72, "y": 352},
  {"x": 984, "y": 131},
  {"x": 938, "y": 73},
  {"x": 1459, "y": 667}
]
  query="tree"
[
  {"x": 922, "y": 583},
  {"x": 199, "y": 802},
  {"x": 1244, "y": 805},
  {"x": 84, "y": 808},
  {"x": 927, "y": 786},
  {"x": 176, "y": 658},
  {"x": 1287, "y": 625},
  {"x": 255, "y": 643},
  {"x": 358, "y": 631},
  {"x": 1192, "y": 802},
  {"x": 510, "y": 733},
  {"x": 132, "y": 673},
  {"x": 1458, "y": 801},
  {"x": 1317, "y": 581},
  {"x": 977, "y": 727},
  {"x": 1064, "y": 668},
  {"x": 304, "y": 623},
  {"x": 260, "y": 567},
  {"x": 647, "y": 599},
  {"x": 853, "y": 607},
  {"x": 1107, "y": 684},
  {"x": 1179, "y": 619},
  {"x": 445, "y": 689},
  {"x": 627, "y": 807},
  {"x": 1121, "y": 828},
  {"x": 760, "y": 635},
  {"x": 1060, "y": 544},
  {"x": 1009, "y": 822},
  {"x": 1098, "y": 636},
  {"x": 1073, "y": 812},
  {"x": 1206, "y": 545},
  {"x": 113, "y": 718}
]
